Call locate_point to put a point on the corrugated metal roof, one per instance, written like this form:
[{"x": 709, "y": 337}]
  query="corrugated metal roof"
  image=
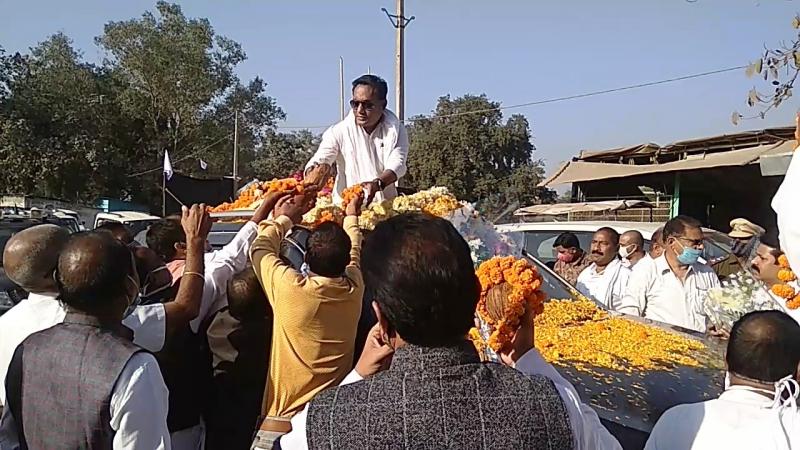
[{"x": 575, "y": 171}]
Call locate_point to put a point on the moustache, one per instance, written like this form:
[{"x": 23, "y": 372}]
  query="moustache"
[{"x": 598, "y": 253}]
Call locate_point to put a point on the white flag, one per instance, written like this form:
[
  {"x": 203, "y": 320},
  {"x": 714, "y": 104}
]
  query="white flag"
[
  {"x": 167, "y": 165},
  {"x": 203, "y": 165}
]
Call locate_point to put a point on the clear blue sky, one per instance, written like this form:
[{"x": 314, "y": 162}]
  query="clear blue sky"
[{"x": 514, "y": 51}]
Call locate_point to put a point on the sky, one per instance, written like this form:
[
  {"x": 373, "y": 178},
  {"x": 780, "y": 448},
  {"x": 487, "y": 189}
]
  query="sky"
[{"x": 514, "y": 51}]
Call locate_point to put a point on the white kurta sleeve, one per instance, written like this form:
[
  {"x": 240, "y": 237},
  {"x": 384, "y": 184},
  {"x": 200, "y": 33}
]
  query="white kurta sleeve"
[
  {"x": 634, "y": 301},
  {"x": 220, "y": 268},
  {"x": 139, "y": 405},
  {"x": 785, "y": 205},
  {"x": 587, "y": 430},
  {"x": 328, "y": 151},
  {"x": 297, "y": 438},
  {"x": 149, "y": 326},
  {"x": 398, "y": 155}
]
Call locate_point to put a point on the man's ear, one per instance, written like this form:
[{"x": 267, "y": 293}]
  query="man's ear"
[{"x": 386, "y": 329}]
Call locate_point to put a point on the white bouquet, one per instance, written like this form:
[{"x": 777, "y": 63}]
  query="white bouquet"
[
  {"x": 484, "y": 241},
  {"x": 738, "y": 295}
]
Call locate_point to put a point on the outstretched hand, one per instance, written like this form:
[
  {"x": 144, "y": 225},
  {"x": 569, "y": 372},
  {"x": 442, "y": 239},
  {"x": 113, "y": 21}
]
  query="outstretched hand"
[
  {"x": 195, "y": 221},
  {"x": 266, "y": 206},
  {"x": 293, "y": 207},
  {"x": 353, "y": 208}
]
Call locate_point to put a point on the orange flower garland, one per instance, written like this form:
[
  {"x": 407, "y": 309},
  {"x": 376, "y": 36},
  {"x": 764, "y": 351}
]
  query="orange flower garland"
[
  {"x": 784, "y": 290},
  {"x": 351, "y": 194},
  {"x": 524, "y": 281}
]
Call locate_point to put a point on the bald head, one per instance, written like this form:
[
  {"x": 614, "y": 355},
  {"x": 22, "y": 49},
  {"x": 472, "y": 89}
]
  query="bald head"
[
  {"x": 31, "y": 256},
  {"x": 94, "y": 272},
  {"x": 764, "y": 346},
  {"x": 657, "y": 243},
  {"x": 632, "y": 242}
]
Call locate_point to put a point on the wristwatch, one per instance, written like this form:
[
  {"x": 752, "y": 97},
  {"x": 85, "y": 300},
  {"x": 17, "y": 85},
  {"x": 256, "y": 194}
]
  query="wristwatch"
[{"x": 380, "y": 183}]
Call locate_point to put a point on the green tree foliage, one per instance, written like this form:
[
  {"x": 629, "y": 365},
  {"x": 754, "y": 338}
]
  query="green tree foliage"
[
  {"x": 78, "y": 131},
  {"x": 284, "y": 153},
  {"x": 478, "y": 156}
]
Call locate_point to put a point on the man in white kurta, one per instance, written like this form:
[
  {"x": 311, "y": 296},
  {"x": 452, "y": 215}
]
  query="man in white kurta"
[
  {"x": 606, "y": 279},
  {"x": 762, "y": 358},
  {"x": 369, "y": 147},
  {"x": 671, "y": 288}
]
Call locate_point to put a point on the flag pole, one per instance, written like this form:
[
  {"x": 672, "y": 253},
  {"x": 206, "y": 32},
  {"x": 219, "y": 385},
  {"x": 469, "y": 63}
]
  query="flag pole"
[{"x": 163, "y": 193}]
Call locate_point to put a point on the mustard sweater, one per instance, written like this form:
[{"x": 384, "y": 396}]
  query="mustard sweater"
[{"x": 315, "y": 320}]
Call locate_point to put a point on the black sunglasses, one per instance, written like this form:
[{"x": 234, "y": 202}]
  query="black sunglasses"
[{"x": 369, "y": 106}]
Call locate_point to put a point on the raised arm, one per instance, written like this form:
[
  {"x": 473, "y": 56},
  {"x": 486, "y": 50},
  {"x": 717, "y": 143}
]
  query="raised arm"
[
  {"x": 186, "y": 307},
  {"x": 353, "y": 210},
  {"x": 328, "y": 151},
  {"x": 265, "y": 252}
]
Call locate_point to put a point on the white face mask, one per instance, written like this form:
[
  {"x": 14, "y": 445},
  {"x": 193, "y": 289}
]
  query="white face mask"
[
  {"x": 786, "y": 385},
  {"x": 625, "y": 253}
]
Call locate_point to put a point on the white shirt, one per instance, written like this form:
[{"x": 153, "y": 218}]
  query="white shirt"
[
  {"x": 139, "y": 405},
  {"x": 607, "y": 287},
  {"x": 656, "y": 293},
  {"x": 41, "y": 311},
  {"x": 361, "y": 157},
  {"x": 738, "y": 419},
  {"x": 588, "y": 432},
  {"x": 785, "y": 205},
  {"x": 220, "y": 267}
]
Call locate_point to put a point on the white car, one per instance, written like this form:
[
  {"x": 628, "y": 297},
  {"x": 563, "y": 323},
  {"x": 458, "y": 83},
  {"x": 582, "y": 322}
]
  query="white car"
[
  {"x": 135, "y": 221},
  {"x": 538, "y": 237}
]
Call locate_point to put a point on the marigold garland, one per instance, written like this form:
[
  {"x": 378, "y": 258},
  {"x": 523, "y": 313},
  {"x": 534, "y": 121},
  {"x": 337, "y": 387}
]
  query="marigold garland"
[
  {"x": 784, "y": 290},
  {"x": 524, "y": 281},
  {"x": 351, "y": 193}
]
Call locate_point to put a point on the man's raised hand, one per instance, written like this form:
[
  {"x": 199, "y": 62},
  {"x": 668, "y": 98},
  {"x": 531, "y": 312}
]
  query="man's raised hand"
[
  {"x": 353, "y": 208},
  {"x": 293, "y": 207},
  {"x": 195, "y": 221},
  {"x": 376, "y": 356}
]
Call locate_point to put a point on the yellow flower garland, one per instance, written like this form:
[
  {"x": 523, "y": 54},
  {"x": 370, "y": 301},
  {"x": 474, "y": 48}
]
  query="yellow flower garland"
[
  {"x": 524, "y": 281},
  {"x": 784, "y": 290}
]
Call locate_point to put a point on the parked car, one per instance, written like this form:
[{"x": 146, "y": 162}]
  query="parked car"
[
  {"x": 538, "y": 237},
  {"x": 630, "y": 402},
  {"x": 135, "y": 221}
]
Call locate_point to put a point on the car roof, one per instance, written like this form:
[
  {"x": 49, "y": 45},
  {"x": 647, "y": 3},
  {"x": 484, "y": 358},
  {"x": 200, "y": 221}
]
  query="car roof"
[
  {"x": 127, "y": 215},
  {"x": 646, "y": 228}
]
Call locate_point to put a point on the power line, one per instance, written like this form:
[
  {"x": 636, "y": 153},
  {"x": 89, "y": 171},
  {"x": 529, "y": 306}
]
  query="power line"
[
  {"x": 559, "y": 99},
  {"x": 183, "y": 157}
]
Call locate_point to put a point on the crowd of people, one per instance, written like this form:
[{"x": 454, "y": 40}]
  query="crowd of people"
[
  {"x": 668, "y": 281},
  {"x": 363, "y": 346}
]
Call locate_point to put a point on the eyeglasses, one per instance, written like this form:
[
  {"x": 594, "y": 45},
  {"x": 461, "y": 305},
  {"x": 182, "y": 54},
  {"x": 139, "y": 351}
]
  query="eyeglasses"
[
  {"x": 692, "y": 242},
  {"x": 368, "y": 106}
]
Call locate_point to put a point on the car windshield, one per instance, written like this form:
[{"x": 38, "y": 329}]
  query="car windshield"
[{"x": 552, "y": 285}]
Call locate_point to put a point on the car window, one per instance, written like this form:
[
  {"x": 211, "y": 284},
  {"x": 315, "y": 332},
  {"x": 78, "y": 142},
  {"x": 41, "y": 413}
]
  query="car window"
[{"x": 540, "y": 243}]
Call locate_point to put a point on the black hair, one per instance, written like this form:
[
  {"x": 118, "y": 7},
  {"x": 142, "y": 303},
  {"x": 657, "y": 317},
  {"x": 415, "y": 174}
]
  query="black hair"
[
  {"x": 764, "y": 346},
  {"x": 163, "y": 235},
  {"x": 246, "y": 298},
  {"x": 418, "y": 269},
  {"x": 377, "y": 83},
  {"x": 676, "y": 227},
  {"x": 770, "y": 239},
  {"x": 92, "y": 271},
  {"x": 567, "y": 240},
  {"x": 328, "y": 251},
  {"x": 118, "y": 230},
  {"x": 611, "y": 232}
]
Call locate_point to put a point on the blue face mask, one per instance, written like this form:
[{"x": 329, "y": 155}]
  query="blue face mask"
[{"x": 689, "y": 255}]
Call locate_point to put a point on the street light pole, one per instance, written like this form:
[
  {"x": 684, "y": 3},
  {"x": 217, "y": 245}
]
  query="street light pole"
[
  {"x": 235, "y": 152},
  {"x": 399, "y": 21}
]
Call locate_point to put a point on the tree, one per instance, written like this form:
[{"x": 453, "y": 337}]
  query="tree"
[
  {"x": 79, "y": 131},
  {"x": 779, "y": 67},
  {"x": 467, "y": 147},
  {"x": 284, "y": 153}
]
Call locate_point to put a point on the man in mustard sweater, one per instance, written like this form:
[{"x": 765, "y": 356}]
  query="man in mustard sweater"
[{"x": 315, "y": 315}]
